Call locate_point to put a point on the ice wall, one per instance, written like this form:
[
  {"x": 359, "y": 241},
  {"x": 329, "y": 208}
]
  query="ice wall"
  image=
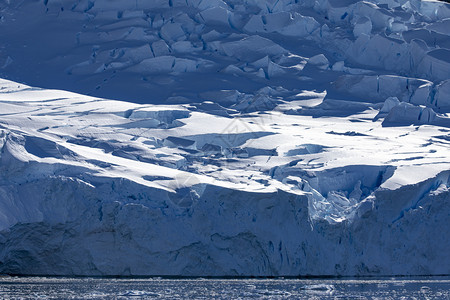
[{"x": 105, "y": 226}]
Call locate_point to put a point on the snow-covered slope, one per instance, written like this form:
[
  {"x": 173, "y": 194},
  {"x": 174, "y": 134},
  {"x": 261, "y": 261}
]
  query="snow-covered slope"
[{"x": 270, "y": 138}]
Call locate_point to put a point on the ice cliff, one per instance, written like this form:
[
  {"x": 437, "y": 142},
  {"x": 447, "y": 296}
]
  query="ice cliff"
[{"x": 245, "y": 138}]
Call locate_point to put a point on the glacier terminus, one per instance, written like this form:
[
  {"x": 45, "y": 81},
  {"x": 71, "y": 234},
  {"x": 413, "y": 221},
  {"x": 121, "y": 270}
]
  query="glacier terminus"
[{"x": 225, "y": 137}]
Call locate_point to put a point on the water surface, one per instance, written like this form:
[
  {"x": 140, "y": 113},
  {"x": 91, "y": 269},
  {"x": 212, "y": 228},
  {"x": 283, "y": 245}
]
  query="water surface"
[{"x": 160, "y": 288}]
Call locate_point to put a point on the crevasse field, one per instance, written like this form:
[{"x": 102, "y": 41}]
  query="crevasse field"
[{"x": 225, "y": 138}]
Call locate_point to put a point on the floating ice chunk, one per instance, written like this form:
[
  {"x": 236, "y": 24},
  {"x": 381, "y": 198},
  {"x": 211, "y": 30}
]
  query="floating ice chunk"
[
  {"x": 137, "y": 293},
  {"x": 363, "y": 26},
  {"x": 320, "y": 61},
  {"x": 318, "y": 287}
]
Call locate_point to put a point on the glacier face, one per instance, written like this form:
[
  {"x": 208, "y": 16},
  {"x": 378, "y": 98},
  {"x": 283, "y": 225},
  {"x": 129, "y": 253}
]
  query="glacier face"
[{"x": 272, "y": 138}]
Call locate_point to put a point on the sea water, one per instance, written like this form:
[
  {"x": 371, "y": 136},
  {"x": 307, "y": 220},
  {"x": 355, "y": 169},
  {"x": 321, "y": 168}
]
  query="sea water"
[{"x": 199, "y": 288}]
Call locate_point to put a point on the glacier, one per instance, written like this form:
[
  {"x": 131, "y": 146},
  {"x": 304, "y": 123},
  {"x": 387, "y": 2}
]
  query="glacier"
[{"x": 224, "y": 138}]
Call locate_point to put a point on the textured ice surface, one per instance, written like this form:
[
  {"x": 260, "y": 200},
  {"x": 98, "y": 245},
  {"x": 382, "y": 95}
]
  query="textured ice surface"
[{"x": 270, "y": 138}]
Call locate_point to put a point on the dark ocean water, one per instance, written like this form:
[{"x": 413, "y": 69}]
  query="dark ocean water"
[{"x": 163, "y": 288}]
